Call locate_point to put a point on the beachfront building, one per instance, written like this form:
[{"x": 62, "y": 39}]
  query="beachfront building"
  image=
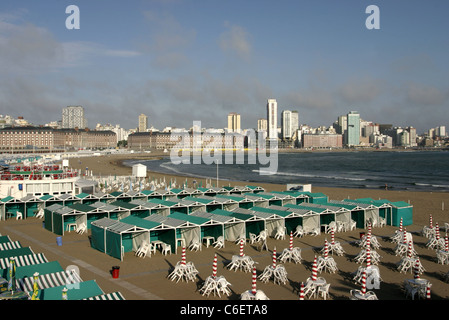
[
  {"x": 352, "y": 137},
  {"x": 272, "y": 119},
  {"x": 19, "y": 139},
  {"x": 234, "y": 122},
  {"x": 143, "y": 123},
  {"x": 322, "y": 141},
  {"x": 185, "y": 140},
  {"x": 73, "y": 117}
]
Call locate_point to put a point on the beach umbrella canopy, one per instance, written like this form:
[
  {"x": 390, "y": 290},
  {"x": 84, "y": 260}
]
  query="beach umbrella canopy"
[
  {"x": 64, "y": 294},
  {"x": 12, "y": 275},
  {"x": 35, "y": 287}
]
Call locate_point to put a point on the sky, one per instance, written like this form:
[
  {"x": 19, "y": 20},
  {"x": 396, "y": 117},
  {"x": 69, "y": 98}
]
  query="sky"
[{"x": 180, "y": 61}]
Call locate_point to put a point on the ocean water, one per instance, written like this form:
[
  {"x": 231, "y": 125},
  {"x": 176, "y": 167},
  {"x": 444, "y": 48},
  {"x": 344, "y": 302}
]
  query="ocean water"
[{"x": 408, "y": 170}]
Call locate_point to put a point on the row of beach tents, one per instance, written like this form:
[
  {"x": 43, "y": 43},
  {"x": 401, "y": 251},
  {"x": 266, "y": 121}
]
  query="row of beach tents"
[
  {"x": 119, "y": 227},
  {"x": 26, "y": 275}
]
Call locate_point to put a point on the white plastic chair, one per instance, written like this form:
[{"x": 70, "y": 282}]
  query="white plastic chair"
[
  {"x": 195, "y": 245},
  {"x": 40, "y": 214},
  {"x": 143, "y": 250},
  {"x": 323, "y": 291},
  {"x": 280, "y": 233},
  {"x": 219, "y": 243},
  {"x": 81, "y": 228},
  {"x": 19, "y": 215},
  {"x": 299, "y": 232},
  {"x": 330, "y": 226},
  {"x": 252, "y": 238},
  {"x": 166, "y": 248}
]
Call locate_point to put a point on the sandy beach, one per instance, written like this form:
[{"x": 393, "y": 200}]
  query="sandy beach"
[{"x": 146, "y": 279}]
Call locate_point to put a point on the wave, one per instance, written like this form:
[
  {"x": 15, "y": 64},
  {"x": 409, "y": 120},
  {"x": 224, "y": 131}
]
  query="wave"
[{"x": 309, "y": 175}]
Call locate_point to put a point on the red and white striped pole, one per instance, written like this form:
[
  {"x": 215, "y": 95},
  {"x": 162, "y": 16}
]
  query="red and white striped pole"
[
  {"x": 437, "y": 231},
  {"x": 274, "y": 258},
  {"x": 430, "y": 222},
  {"x": 428, "y": 292},
  {"x": 364, "y": 282},
  {"x": 301, "y": 291},
  {"x": 214, "y": 267},
  {"x": 404, "y": 239},
  {"x": 326, "y": 249},
  {"x": 446, "y": 243},
  {"x": 291, "y": 241},
  {"x": 400, "y": 225},
  {"x": 416, "y": 269},
  {"x": 409, "y": 254},
  {"x": 368, "y": 256},
  {"x": 369, "y": 228},
  {"x": 332, "y": 236},
  {"x": 241, "y": 248},
  {"x": 254, "y": 288},
  {"x": 314, "y": 270},
  {"x": 183, "y": 255}
]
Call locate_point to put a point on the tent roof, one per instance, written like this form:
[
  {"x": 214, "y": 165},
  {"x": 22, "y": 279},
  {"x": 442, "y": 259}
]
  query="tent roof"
[
  {"x": 104, "y": 222},
  {"x": 141, "y": 223},
  {"x": 193, "y": 219},
  {"x": 123, "y": 204},
  {"x": 168, "y": 221},
  {"x": 85, "y": 289},
  {"x": 10, "y": 199},
  {"x": 82, "y": 207}
]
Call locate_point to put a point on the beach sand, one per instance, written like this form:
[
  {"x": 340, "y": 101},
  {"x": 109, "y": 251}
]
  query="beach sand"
[{"x": 146, "y": 279}]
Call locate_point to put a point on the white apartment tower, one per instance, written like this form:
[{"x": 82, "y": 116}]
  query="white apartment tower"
[
  {"x": 73, "y": 117},
  {"x": 286, "y": 124},
  {"x": 272, "y": 119}
]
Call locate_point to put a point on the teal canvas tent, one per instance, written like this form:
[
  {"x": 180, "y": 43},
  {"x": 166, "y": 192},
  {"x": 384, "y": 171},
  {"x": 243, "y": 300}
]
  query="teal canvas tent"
[
  {"x": 213, "y": 226},
  {"x": 113, "y": 212},
  {"x": 32, "y": 205},
  {"x": 253, "y": 223},
  {"x": 257, "y": 200},
  {"x": 184, "y": 229},
  {"x": 86, "y": 198},
  {"x": 384, "y": 206},
  {"x": 115, "y": 238},
  {"x": 58, "y": 218},
  {"x": 293, "y": 217},
  {"x": 242, "y": 202},
  {"x": 361, "y": 213},
  {"x": 208, "y": 226},
  {"x": 9, "y": 206},
  {"x": 273, "y": 218},
  {"x": 310, "y": 220},
  {"x": 233, "y": 227}
]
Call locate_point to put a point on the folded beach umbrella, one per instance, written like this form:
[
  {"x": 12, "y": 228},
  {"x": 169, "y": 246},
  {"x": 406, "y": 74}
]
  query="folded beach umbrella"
[
  {"x": 291, "y": 241},
  {"x": 274, "y": 258},
  {"x": 416, "y": 269},
  {"x": 35, "y": 287},
  {"x": 314, "y": 270},
  {"x": 363, "y": 282},
  {"x": 301, "y": 291},
  {"x": 12, "y": 275},
  {"x": 241, "y": 248},
  {"x": 214, "y": 267},
  {"x": 254, "y": 287}
]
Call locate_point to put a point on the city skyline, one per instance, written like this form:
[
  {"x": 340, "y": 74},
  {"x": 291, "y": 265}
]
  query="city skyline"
[{"x": 183, "y": 61}]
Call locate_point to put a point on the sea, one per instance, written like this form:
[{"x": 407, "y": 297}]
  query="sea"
[{"x": 399, "y": 170}]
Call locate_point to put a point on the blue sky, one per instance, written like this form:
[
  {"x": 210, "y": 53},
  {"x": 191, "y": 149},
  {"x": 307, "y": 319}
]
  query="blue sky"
[{"x": 180, "y": 61}]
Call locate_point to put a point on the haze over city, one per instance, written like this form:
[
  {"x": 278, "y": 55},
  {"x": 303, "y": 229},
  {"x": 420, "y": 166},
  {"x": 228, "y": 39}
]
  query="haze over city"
[{"x": 180, "y": 61}]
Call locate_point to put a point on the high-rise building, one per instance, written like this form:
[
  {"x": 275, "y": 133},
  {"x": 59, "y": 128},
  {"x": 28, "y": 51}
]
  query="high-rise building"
[
  {"x": 272, "y": 119},
  {"x": 143, "y": 123},
  {"x": 295, "y": 121},
  {"x": 234, "y": 122},
  {"x": 286, "y": 124},
  {"x": 73, "y": 117},
  {"x": 262, "y": 124},
  {"x": 353, "y": 131}
]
